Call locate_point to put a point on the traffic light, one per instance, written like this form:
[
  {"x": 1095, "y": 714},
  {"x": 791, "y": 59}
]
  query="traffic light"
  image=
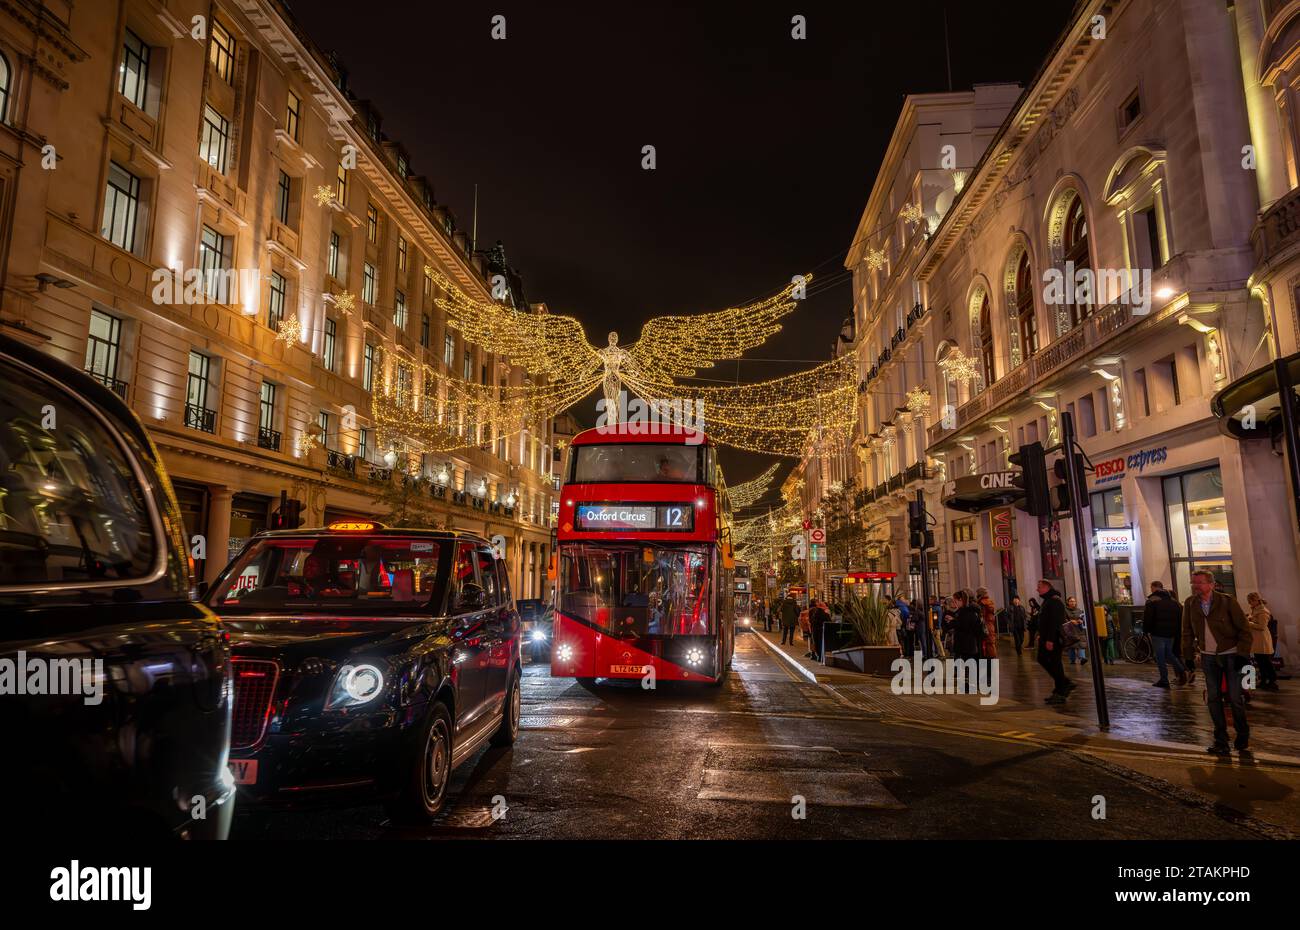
[
  {"x": 1060, "y": 487},
  {"x": 919, "y": 536},
  {"x": 288, "y": 516},
  {"x": 1032, "y": 478}
]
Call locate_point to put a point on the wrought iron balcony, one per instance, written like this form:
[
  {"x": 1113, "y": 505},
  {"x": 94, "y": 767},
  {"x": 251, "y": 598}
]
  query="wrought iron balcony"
[
  {"x": 338, "y": 461},
  {"x": 116, "y": 385},
  {"x": 200, "y": 418},
  {"x": 268, "y": 439}
]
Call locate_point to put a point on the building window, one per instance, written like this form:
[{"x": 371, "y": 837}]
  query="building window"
[
  {"x": 121, "y": 207},
  {"x": 399, "y": 311},
  {"x": 368, "y": 368},
  {"x": 1129, "y": 111},
  {"x": 333, "y": 262},
  {"x": 216, "y": 139},
  {"x": 424, "y": 330},
  {"x": 1196, "y": 519},
  {"x": 327, "y": 349},
  {"x": 323, "y": 424},
  {"x": 103, "y": 348},
  {"x": 292, "y": 116},
  {"x": 275, "y": 306},
  {"x": 363, "y": 443},
  {"x": 197, "y": 414},
  {"x": 986, "y": 340},
  {"x": 402, "y": 167},
  {"x": 267, "y": 436},
  {"x": 1026, "y": 323},
  {"x": 368, "y": 282},
  {"x": 449, "y": 350},
  {"x": 467, "y": 367},
  {"x": 372, "y": 223},
  {"x": 428, "y": 285},
  {"x": 222, "y": 52},
  {"x": 372, "y": 126},
  {"x": 401, "y": 253},
  {"x": 1076, "y": 257},
  {"x": 1114, "y": 574},
  {"x": 5, "y": 74},
  {"x": 341, "y": 185},
  {"x": 214, "y": 259},
  {"x": 133, "y": 73},
  {"x": 282, "y": 191}
]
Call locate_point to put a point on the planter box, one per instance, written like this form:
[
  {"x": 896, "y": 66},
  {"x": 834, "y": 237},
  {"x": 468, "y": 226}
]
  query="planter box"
[
  {"x": 836, "y": 636},
  {"x": 871, "y": 660}
]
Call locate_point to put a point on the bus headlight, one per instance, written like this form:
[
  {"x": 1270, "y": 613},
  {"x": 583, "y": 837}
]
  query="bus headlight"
[
  {"x": 564, "y": 652},
  {"x": 694, "y": 656},
  {"x": 539, "y": 636}
]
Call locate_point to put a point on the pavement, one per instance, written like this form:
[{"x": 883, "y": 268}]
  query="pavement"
[{"x": 775, "y": 754}]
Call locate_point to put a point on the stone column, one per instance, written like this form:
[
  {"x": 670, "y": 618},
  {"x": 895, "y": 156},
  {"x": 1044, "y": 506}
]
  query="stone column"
[
  {"x": 218, "y": 535},
  {"x": 1261, "y": 108}
]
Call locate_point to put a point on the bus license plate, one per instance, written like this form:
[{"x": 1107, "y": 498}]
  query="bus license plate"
[
  {"x": 627, "y": 669},
  {"x": 244, "y": 771}
]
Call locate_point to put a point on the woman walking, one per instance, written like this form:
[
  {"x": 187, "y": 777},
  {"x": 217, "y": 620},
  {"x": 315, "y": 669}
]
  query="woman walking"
[
  {"x": 1074, "y": 616},
  {"x": 988, "y": 614},
  {"x": 1262, "y": 645},
  {"x": 968, "y": 629}
]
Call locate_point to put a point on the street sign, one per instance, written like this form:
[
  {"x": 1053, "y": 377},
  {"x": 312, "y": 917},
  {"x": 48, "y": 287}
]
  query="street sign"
[
  {"x": 807, "y": 524},
  {"x": 817, "y": 553},
  {"x": 817, "y": 536}
]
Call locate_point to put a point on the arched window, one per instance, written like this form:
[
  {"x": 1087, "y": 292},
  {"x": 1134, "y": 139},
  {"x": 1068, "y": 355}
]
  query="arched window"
[
  {"x": 1026, "y": 323},
  {"x": 986, "y": 340},
  {"x": 1075, "y": 244},
  {"x": 4, "y": 89}
]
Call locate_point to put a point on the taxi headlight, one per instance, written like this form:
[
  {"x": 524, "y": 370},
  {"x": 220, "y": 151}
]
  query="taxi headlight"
[{"x": 355, "y": 685}]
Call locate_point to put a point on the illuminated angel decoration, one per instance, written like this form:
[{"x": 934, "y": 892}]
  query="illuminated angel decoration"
[{"x": 670, "y": 347}]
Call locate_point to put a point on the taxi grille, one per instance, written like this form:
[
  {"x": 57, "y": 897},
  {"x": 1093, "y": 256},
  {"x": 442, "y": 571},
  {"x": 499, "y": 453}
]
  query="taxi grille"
[{"x": 254, "y": 690}]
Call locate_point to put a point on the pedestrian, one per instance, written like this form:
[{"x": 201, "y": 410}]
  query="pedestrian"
[
  {"x": 1051, "y": 624},
  {"x": 1032, "y": 625},
  {"x": 1015, "y": 619},
  {"x": 818, "y": 617},
  {"x": 907, "y": 628},
  {"x": 989, "y": 614},
  {"x": 1262, "y": 643},
  {"x": 789, "y": 619},
  {"x": 1103, "y": 633},
  {"x": 1074, "y": 617},
  {"x": 1215, "y": 623},
  {"x": 968, "y": 629},
  {"x": 1161, "y": 618}
]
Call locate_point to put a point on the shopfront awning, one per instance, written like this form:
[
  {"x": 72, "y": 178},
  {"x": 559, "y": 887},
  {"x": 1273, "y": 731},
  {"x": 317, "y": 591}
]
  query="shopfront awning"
[
  {"x": 975, "y": 493},
  {"x": 1251, "y": 407}
]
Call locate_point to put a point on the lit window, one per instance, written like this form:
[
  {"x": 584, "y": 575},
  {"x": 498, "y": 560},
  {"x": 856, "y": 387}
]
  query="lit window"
[
  {"x": 133, "y": 73},
  {"x": 222, "y": 52},
  {"x": 275, "y": 309},
  {"x": 368, "y": 283},
  {"x": 121, "y": 207},
  {"x": 292, "y": 116},
  {"x": 215, "y": 140}
]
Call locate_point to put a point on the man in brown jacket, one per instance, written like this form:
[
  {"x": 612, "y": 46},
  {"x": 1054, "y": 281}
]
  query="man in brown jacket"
[{"x": 1216, "y": 625}]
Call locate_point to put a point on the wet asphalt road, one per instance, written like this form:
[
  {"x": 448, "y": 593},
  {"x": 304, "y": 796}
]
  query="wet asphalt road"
[{"x": 697, "y": 762}]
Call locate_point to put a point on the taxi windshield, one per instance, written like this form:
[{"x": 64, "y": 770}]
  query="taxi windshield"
[{"x": 352, "y": 574}]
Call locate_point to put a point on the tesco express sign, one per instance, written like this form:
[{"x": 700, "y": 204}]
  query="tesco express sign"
[{"x": 1115, "y": 469}]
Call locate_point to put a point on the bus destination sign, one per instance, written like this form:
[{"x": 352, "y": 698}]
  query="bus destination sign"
[{"x": 615, "y": 517}]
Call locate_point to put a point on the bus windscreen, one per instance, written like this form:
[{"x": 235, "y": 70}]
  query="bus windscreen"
[{"x": 638, "y": 590}]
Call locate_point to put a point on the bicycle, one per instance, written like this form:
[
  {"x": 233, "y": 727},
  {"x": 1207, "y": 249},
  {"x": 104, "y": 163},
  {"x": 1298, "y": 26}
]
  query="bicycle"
[{"x": 1137, "y": 647}]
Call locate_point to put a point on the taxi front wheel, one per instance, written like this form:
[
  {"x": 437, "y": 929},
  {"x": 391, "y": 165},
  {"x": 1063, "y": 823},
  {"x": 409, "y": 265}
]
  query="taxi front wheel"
[{"x": 425, "y": 770}]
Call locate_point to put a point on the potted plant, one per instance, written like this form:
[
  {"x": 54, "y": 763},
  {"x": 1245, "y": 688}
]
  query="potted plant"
[{"x": 873, "y": 626}]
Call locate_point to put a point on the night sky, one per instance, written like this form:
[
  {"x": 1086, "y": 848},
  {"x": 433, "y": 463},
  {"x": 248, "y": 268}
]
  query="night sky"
[{"x": 767, "y": 146}]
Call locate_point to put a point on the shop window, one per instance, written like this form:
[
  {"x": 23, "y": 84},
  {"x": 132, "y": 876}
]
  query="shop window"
[{"x": 1196, "y": 522}]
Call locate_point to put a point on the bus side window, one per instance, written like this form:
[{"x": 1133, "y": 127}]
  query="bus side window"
[{"x": 503, "y": 582}]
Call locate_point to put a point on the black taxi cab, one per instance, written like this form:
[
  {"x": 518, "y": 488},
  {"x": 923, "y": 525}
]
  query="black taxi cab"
[
  {"x": 114, "y": 683},
  {"x": 368, "y": 662}
]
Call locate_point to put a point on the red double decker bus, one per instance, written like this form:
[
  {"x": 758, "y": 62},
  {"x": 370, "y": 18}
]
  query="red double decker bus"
[{"x": 643, "y": 561}]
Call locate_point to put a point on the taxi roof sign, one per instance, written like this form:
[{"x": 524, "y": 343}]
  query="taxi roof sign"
[{"x": 354, "y": 526}]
